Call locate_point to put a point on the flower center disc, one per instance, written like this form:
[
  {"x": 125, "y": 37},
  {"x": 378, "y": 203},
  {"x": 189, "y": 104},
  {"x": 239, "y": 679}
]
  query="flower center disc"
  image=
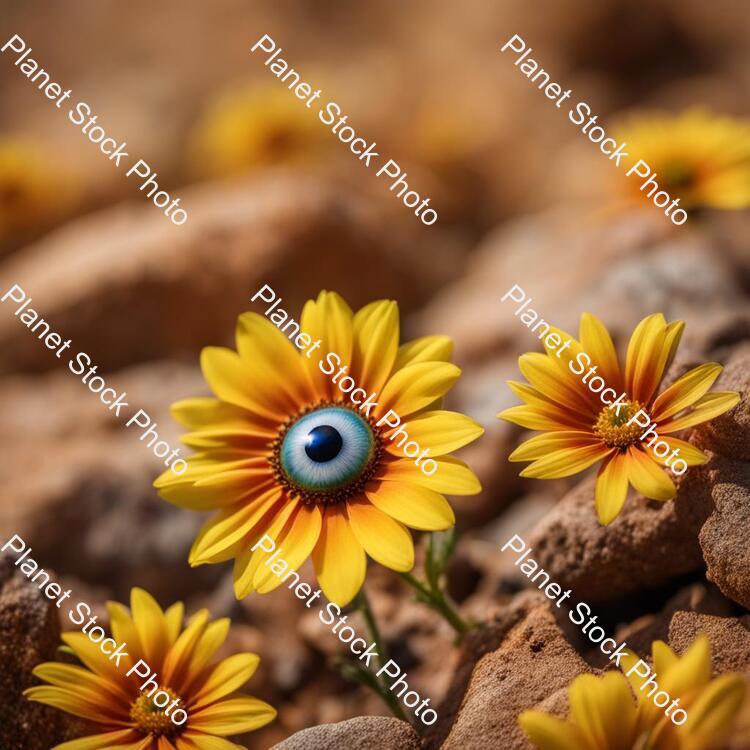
[
  {"x": 150, "y": 718},
  {"x": 613, "y": 428}
]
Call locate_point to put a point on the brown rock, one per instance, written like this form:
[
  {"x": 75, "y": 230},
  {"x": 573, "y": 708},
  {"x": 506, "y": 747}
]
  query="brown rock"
[
  {"x": 729, "y": 433},
  {"x": 29, "y": 635},
  {"x": 729, "y": 636},
  {"x": 725, "y": 537},
  {"x": 533, "y": 661},
  {"x": 362, "y": 733},
  {"x": 105, "y": 280},
  {"x": 648, "y": 544}
]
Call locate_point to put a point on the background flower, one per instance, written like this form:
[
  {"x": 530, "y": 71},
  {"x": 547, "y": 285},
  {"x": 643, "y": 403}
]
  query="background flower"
[
  {"x": 183, "y": 660},
  {"x": 282, "y": 451},
  {"x": 581, "y": 430}
]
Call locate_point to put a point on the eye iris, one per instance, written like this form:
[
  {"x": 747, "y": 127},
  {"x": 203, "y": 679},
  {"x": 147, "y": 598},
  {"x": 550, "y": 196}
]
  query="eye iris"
[{"x": 323, "y": 443}]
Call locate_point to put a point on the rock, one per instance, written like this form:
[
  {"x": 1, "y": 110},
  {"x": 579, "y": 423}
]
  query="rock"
[
  {"x": 29, "y": 635},
  {"x": 729, "y": 433},
  {"x": 362, "y": 733},
  {"x": 647, "y": 545},
  {"x": 729, "y": 636},
  {"x": 106, "y": 279},
  {"x": 725, "y": 536},
  {"x": 533, "y": 661}
]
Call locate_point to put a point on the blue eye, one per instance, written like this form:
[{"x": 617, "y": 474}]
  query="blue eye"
[{"x": 327, "y": 449}]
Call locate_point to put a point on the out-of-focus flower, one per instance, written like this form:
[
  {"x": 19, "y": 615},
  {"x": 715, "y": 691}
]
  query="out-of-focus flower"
[
  {"x": 581, "y": 429},
  {"x": 701, "y": 158},
  {"x": 32, "y": 191},
  {"x": 254, "y": 127},
  {"x": 284, "y": 453},
  {"x": 181, "y": 659},
  {"x": 605, "y": 715}
]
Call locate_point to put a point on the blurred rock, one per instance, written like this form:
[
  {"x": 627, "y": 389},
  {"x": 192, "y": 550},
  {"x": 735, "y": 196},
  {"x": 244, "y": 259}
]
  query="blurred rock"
[
  {"x": 648, "y": 544},
  {"x": 725, "y": 537},
  {"x": 362, "y": 733},
  {"x": 729, "y": 636},
  {"x": 29, "y": 635},
  {"x": 533, "y": 661},
  {"x": 127, "y": 285}
]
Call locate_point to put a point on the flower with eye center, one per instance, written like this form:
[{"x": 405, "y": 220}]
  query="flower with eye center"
[
  {"x": 613, "y": 428},
  {"x": 281, "y": 453},
  {"x": 152, "y": 719}
]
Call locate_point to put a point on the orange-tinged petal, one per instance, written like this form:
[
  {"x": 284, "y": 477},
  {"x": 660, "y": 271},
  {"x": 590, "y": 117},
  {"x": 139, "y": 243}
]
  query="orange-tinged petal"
[
  {"x": 83, "y": 682},
  {"x": 384, "y": 539},
  {"x": 416, "y": 386},
  {"x": 611, "y": 488},
  {"x": 339, "y": 558},
  {"x": 440, "y": 431},
  {"x": 704, "y": 409},
  {"x": 177, "y": 663},
  {"x": 227, "y": 676},
  {"x": 233, "y": 716},
  {"x": 92, "y": 656},
  {"x": 452, "y": 477},
  {"x": 72, "y": 703},
  {"x": 541, "y": 445},
  {"x": 102, "y": 741},
  {"x": 566, "y": 462},
  {"x": 375, "y": 343},
  {"x": 689, "y": 453},
  {"x": 297, "y": 540},
  {"x": 647, "y": 476},
  {"x": 643, "y": 356},
  {"x": 544, "y": 375},
  {"x": 424, "y": 349},
  {"x": 685, "y": 391},
  {"x": 550, "y": 733},
  {"x": 190, "y": 740},
  {"x": 672, "y": 337},
  {"x": 550, "y": 417},
  {"x": 597, "y": 343},
  {"x": 415, "y": 506}
]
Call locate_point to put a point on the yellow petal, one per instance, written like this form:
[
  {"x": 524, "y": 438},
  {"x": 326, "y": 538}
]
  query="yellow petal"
[
  {"x": 711, "y": 717},
  {"x": 425, "y": 349},
  {"x": 92, "y": 656},
  {"x": 297, "y": 541},
  {"x": 663, "y": 657},
  {"x": 176, "y": 666},
  {"x": 538, "y": 417},
  {"x": 685, "y": 391},
  {"x": 541, "y": 445},
  {"x": 174, "y": 617},
  {"x": 440, "y": 431},
  {"x": 267, "y": 352},
  {"x": 611, "y": 488},
  {"x": 122, "y": 626},
  {"x": 151, "y": 626},
  {"x": 204, "y": 412},
  {"x": 339, "y": 558},
  {"x": 597, "y": 343},
  {"x": 233, "y": 716},
  {"x": 231, "y": 379},
  {"x": 566, "y": 462},
  {"x": 385, "y": 540},
  {"x": 376, "y": 334},
  {"x": 550, "y": 733},
  {"x": 672, "y": 336},
  {"x": 416, "y": 386},
  {"x": 452, "y": 477},
  {"x": 647, "y": 477},
  {"x": 82, "y": 682},
  {"x": 102, "y": 741},
  {"x": 644, "y": 354},
  {"x": 689, "y": 453},
  {"x": 415, "y": 506},
  {"x": 71, "y": 703},
  {"x": 228, "y": 675},
  {"x": 706, "y": 408},
  {"x": 190, "y": 740},
  {"x": 604, "y": 710},
  {"x": 691, "y": 673},
  {"x": 544, "y": 375}
]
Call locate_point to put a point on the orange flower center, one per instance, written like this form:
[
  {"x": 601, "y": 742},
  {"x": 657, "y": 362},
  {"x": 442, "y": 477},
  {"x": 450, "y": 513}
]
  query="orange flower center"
[
  {"x": 613, "y": 428},
  {"x": 149, "y": 718}
]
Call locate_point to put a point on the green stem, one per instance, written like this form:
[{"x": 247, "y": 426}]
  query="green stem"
[{"x": 436, "y": 599}]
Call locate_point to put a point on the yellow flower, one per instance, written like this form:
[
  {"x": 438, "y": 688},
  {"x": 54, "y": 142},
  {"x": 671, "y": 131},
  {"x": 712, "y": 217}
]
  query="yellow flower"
[
  {"x": 254, "y": 127},
  {"x": 284, "y": 453},
  {"x": 126, "y": 717},
  {"x": 582, "y": 429},
  {"x": 604, "y": 715},
  {"x": 701, "y": 158}
]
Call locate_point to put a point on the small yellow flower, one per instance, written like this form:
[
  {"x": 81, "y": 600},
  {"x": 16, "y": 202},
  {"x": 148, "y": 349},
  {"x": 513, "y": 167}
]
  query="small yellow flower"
[
  {"x": 284, "y": 452},
  {"x": 255, "y": 127},
  {"x": 127, "y": 718},
  {"x": 582, "y": 430},
  {"x": 605, "y": 715},
  {"x": 701, "y": 158}
]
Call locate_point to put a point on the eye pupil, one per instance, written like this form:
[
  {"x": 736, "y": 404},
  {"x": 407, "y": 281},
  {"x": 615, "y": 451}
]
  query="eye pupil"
[{"x": 323, "y": 443}]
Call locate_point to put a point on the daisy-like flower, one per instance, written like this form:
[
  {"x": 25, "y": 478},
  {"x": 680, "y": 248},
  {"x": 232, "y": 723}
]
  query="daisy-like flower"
[
  {"x": 582, "y": 430},
  {"x": 607, "y": 713},
  {"x": 254, "y": 127},
  {"x": 701, "y": 158},
  {"x": 127, "y": 718},
  {"x": 284, "y": 453}
]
